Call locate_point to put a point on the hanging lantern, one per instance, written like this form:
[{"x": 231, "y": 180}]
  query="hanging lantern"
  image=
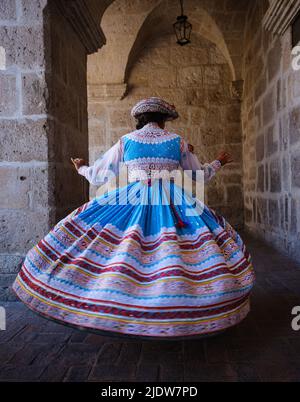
[{"x": 182, "y": 28}]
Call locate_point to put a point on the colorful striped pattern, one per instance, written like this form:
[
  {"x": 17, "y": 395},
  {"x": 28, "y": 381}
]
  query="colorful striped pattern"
[{"x": 168, "y": 284}]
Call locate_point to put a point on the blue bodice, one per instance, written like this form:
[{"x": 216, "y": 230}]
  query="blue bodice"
[
  {"x": 134, "y": 150},
  {"x": 150, "y": 151}
]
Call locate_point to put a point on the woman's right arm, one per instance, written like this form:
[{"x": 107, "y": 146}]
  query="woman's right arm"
[{"x": 105, "y": 168}]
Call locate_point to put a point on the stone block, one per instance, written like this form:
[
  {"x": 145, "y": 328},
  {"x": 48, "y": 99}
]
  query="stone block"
[
  {"x": 274, "y": 213},
  {"x": 235, "y": 196},
  {"x": 233, "y": 113},
  {"x": 23, "y": 140},
  {"x": 120, "y": 118},
  {"x": 294, "y": 226},
  {"x": 8, "y": 95},
  {"x": 198, "y": 116},
  {"x": 163, "y": 77},
  {"x": 284, "y": 132},
  {"x": 262, "y": 211},
  {"x": 190, "y": 77},
  {"x": 286, "y": 173},
  {"x": 218, "y": 94},
  {"x": 32, "y": 11},
  {"x": 22, "y": 229},
  {"x": 294, "y": 78},
  {"x": 215, "y": 195},
  {"x": 7, "y": 294},
  {"x": 233, "y": 134},
  {"x": 252, "y": 173},
  {"x": 15, "y": 187},
  {"x": 8, "y": 10},
  {"x": 248, "y": 215},
  {"x": 236, "y": 151},
  {"x": 268, "y": 108},
  {"x": 281, "y": 94},
  {"x": 171, "y": 95},
  {"x": 34, "y": 94},
  {"x": 271, "y": 144},
  {"x": 296, "y": 170},
  {"x": 6, "y": 280},
  {"x": 261, "y": 178},
  {"x": 97, "y": 134},
  {"x": 195, "y": 97},
  {"x": 10, "y": 263},
  {"x": 97, "y": 111},
  {"x": 40, "y": 188},
  {"x": 211, "y": 75},
  {"x": 275, "y": 176},
  {"x": 210, "y": 137},
  {"x": 260, "y": 148},
  {"x": 188, "y": 56},
  {"x": 24, "y": 46},
  {"x": 295, "y": 125}
]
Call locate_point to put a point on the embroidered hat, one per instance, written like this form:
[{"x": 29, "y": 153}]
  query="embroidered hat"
[{"x": 154, "y": 105}]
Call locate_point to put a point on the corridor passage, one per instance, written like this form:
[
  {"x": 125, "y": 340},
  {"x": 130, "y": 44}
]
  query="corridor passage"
[{"x": 263, "y": 348}]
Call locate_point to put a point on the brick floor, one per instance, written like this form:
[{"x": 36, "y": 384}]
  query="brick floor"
[{"x": 263, "y": 348}]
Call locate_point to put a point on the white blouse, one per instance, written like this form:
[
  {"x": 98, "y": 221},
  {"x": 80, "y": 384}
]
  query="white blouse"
[{"x": 106, "y": 167}]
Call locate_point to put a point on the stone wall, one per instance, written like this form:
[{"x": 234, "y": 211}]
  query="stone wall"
[
  {"x": 24, "y": 176},
  {"x": 271, "y": 119},
  {"x": 43, "y": 118},
  {"x": 197, "y": 79}
]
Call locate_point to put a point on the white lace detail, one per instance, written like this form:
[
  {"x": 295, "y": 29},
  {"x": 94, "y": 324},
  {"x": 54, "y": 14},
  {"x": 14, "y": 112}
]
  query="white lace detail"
[
  {"x": 152, "y": 160},
  {"x": 151, "y": 134},
  {"x": 148, "y": 168}
]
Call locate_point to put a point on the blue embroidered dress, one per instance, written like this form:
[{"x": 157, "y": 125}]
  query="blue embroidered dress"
[{"x": 136, "y": 261}]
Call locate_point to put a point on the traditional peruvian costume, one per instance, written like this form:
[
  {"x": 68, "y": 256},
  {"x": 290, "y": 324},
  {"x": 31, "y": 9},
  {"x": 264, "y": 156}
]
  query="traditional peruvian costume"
[{"x": 135, "y": 261}]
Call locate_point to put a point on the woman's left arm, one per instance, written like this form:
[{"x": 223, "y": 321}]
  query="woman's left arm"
[{"x": 190, "y": 162}]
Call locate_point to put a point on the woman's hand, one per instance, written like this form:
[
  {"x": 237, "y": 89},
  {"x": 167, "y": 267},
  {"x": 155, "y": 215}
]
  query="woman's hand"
[
  {"x": 224, "y": 158},
  {"x": 77, "y": 162}
]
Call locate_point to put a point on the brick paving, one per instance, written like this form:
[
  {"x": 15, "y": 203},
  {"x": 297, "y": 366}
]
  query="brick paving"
[{"x": 263, "y": 348}]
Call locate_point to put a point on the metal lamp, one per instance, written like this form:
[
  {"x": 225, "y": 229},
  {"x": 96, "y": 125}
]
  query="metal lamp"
[{"x": 182, "y": 28}]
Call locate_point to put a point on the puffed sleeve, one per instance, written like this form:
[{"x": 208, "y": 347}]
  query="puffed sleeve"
[
  {"x": 106, "y": 167},
  {"x": 190, "y": 163}
]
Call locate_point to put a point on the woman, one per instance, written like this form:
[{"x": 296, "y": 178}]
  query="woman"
[{"x": 140, "y": 268}]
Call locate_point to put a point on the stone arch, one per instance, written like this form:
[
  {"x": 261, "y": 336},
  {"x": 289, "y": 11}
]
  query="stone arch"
[
  {"x": 163, "y": 16},
  {"x": 120, "y": 20},
  {"x": 127, "y": 24}
]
